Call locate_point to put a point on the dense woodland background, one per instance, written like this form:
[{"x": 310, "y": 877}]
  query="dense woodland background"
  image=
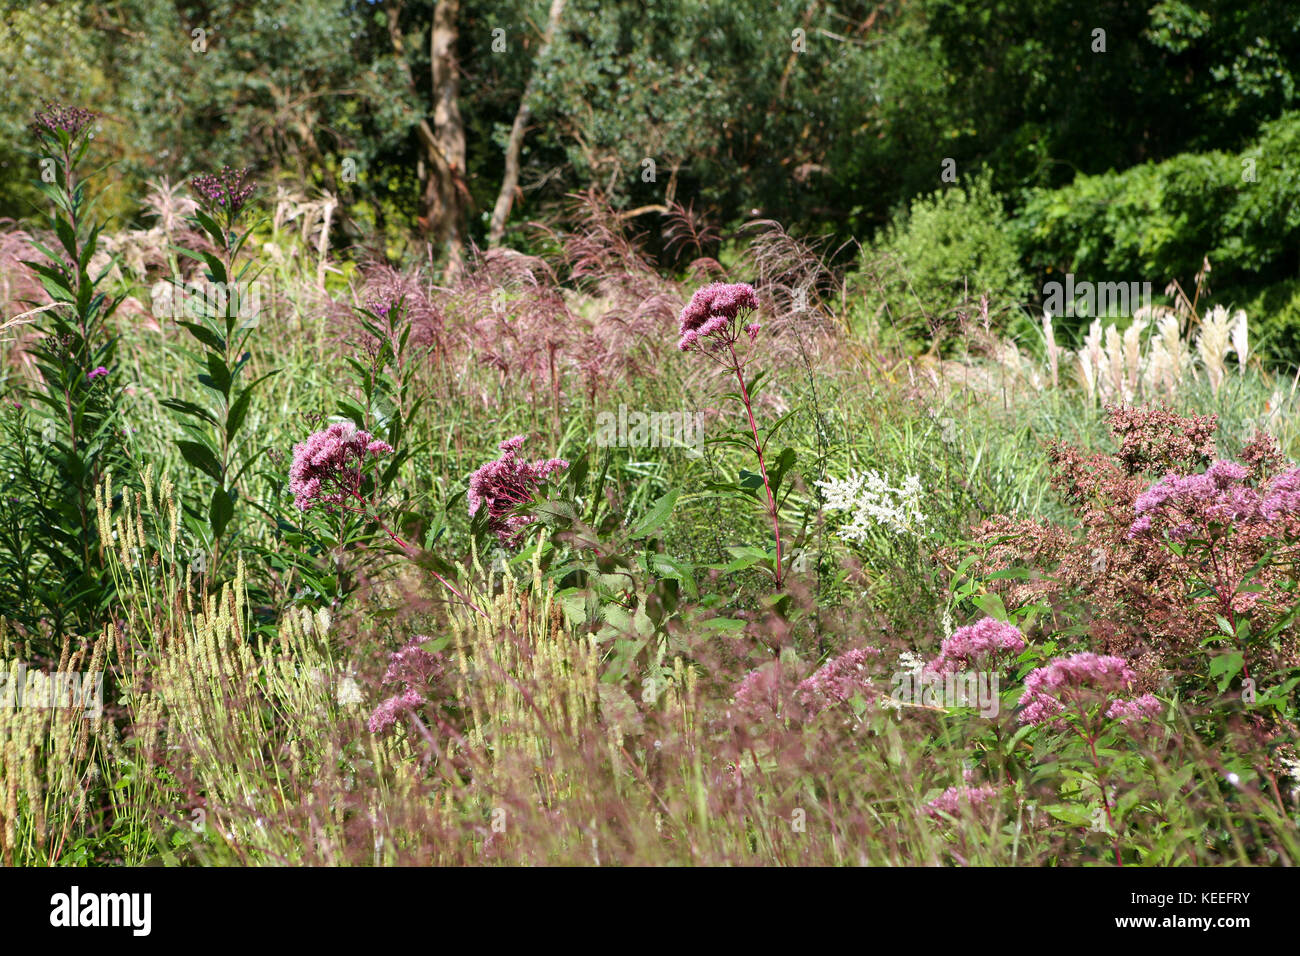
[{"x": 1123, "y": 165}]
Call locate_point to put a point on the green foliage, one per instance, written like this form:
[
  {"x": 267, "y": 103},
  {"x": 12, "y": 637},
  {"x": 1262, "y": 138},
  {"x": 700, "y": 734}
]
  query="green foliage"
[
  {"x": 941, "y": 254},
  {"x": 1156, "y": 221},
  {"x": 49, "y": 540},
  {"x": 224, "y": 316}
]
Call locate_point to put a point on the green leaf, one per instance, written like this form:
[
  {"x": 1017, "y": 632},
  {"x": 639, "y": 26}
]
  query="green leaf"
[
  {"x": 205, "y": 335},
  {"x": 657, "y": 515},
  {"x": 189, "y": 408},
  {"x": 991, "y": 605},
  {"x": 201, "y": 457},
  {"x": 1226, "y": 667},
  {"x": 220, "y": 511}
]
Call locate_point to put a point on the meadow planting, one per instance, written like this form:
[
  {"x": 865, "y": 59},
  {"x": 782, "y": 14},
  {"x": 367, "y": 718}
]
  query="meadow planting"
[{"x": 306, "y": 560}]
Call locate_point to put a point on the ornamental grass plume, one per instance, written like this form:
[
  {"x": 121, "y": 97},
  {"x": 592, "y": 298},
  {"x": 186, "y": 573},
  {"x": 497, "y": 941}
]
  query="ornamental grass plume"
[{"x": 505, "y": 484}]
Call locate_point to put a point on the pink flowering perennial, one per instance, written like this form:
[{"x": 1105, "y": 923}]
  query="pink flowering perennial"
[
  {"x": 1184, "y": 506},
  {"x": 327, "y": 467},
  {"x": 413, "y": 668},
  {"x": 976, "y": 646},
  {"x": 839, "y": 680},
  {"x": 713, "y": 311},
  {"x": 1075, "y": 685},
  {"x": 503, "y": 485},
  {"x": 954, "y": 799}
]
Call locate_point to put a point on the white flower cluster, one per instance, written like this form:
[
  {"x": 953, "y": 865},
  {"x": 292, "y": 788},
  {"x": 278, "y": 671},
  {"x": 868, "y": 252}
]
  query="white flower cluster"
[{"x": 872, "y": 502}]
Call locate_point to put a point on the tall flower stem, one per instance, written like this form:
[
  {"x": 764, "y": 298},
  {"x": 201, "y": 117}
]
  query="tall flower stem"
[
  {"x": 365, "y": 512},
  {"x": 1105, "y": 801},
  {"x": 762, "y": 464}
]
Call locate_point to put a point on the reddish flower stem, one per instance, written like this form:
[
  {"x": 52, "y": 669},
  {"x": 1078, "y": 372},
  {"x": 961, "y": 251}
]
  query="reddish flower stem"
[
  {"x": 408, "y": 548},
  {"x": 762, "y": 465}
]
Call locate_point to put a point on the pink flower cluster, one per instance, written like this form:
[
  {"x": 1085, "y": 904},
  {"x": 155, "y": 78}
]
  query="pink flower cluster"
[
  {"x": 1136, "y": 710},
  {"x": 1075, "y": 683},
  {"x": 953, "y": 799},
  {"x": 1188, "y": 504},
  {"x": 975, "y": 646},
  {"x": 386, "y": 714},
  {"x": 413, "y": 667},
  {"x": 327, "y": 466},
  {"x": 505, "y": 484},
  {"x": 763, "y": 691},
  {"x": 838, "y": 680},
  {"x": 713, "y": 310}
]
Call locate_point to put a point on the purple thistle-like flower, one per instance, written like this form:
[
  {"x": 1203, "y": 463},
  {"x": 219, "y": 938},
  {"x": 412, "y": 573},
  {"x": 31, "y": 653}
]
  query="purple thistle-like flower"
[
  {"x": 838, "y": 680},
  {"x": 713, "y": 310},
  {"x": 327, "y": 466},
  {"x": 976, "y": 645},
  {"x": 54, "y": 118},
  {"x": 225, "y": 190},
  {"x": 95, "y": 373},
  {"x": 505, "y": 484}
]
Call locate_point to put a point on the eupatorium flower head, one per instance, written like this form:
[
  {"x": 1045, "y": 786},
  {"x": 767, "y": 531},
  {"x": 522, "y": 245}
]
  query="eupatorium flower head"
[
  {"x": 952, "y": 800},
  {"x": 386, "y": 714},
  {"x": 1187, "y": 505},
  {"x": 505, "y": 484},
  {"x": 1073, "y": 685},
  {"x": 54, "y": 118},
  {"x": 977, "y": 645},
  {"x": 838, "y": 680},
  {"x": 327, "y": 466},
  {"x": 713, "y": 311}
]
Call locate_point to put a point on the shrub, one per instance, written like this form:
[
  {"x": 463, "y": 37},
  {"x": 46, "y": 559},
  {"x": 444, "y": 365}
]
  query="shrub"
[{"x": 947, "y": 248}]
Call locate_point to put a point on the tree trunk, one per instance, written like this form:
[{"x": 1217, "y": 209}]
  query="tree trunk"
[
  {"x": 447, "y": 208},
  {"x": 510, "y": 181},
  {"x": 445, "y": 197}
]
